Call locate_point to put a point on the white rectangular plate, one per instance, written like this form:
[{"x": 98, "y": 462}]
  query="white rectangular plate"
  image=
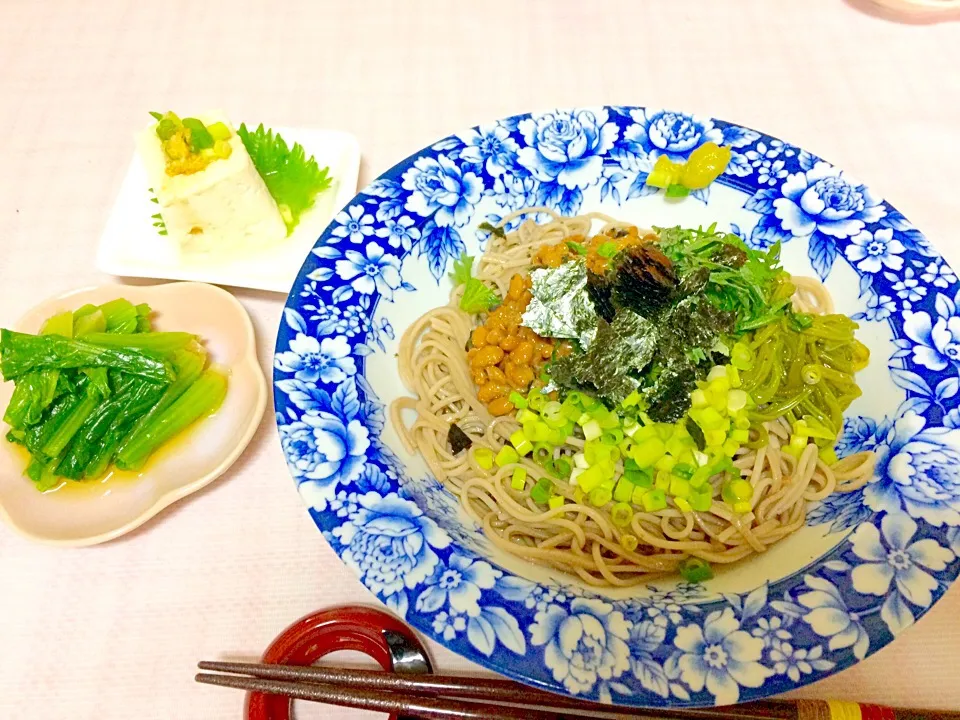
[{"x": 130, "y": 246}]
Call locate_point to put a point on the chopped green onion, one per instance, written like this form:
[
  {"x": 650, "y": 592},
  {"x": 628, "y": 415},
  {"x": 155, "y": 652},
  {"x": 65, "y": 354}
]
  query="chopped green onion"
[
  {"x": 654, "y": 500},
  {"x": 648, "y": 452},
  {"x": 570, "y": 411},
  {"x": 741, "y": 356},
  {"x": 525, "y": 415},
  {"x": 730, "y": 446},
  {"x": 736, "y": 400},
  {"x": 623, "y": 491},
  {"x": 629, "y": 542},
  {"x": 701, "y": 499},
  {"x": 621, "y": 514},
  {"x": 733, "y": 375},
  {"x": 219, "y": 131},
  {"x": 519, "y": 479},
  {"x": 518, "y": 400},
  {"x": 612, "y": 437},
  {"x": 600, "y": 496},
  {"x": 679, "y": 487},
  {"x": 560, "y": 467},
  {"x": 555, "y": 502},
  {"x": 540, "y": 493},
  {"x": 483, "y": 457},
  {"x": 589, "y": 478},
  {"x": 677, "y": 191},
  {"x": 536, "y": 400},
  {"x": 576, "y": 247},
  {"x": 591, "y": 431},
  {"x": 683, "y": 470},
  {"x": 682, "y": 504},
  {"x": 506, "y": 456},
  {"x": 521, "y": 443},
  {"x": 695, "y": 570},
  {"x": 631, "y": 399},
  {"x": 542, "y": 452}
]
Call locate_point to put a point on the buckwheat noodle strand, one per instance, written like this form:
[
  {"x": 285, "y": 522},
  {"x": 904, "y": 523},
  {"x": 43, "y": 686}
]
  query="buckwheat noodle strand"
[{"x": 578, "y": 538}]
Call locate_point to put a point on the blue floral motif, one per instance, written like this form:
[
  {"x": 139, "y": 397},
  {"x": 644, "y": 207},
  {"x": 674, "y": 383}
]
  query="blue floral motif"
[
  {"x": 322, "y": 452},
  {"x": 583, "y": 644},
  {"x": 892, "y": 557},
  {"x": 566, "y": 148},
  {"x": 937, "y": 343},
  {"x": 897, "y": 537},
  {"x": 794, "y": 662},
  {"x": 354, "y": 224},
  {"x": 720, "y": 656},
  {"x": 400, "y": 233},
  {"x": 513, "y": 192},
  {"x": 374, "y": 271},
  {"x": 490, "y": 146},
  {"x": 821, "y": 204},
  {"x": 663, "y": 132},
  {"x": 907, "y": 287},
  {"x": 829, "y": 616},
  {"x": 871, "y": 252},
  {"x": 459, "y": 583},
  {"x": 439, "y": 189},
  {"x": 771, "y": 631},
  {"x": 918, "y": 470},
  {"x": 449, "y": 625},
  {"x": 937, "y": 273},
  {"x": 769, "y": 160},
  {"x": 879, "y": 307},
  {"x": 390, "y": 543},
  {"x": 311, "y": 359}
]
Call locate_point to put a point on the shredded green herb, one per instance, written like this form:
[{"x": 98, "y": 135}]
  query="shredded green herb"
[{"x": 747, "y": 282}]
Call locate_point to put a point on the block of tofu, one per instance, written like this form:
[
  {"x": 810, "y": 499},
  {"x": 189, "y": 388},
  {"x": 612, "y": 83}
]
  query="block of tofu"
[{"x": 223, "y": 209}]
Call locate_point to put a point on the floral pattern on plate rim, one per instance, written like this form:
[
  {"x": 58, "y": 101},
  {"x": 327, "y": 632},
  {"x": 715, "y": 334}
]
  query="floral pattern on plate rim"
[{"x": 900, "y": 535}]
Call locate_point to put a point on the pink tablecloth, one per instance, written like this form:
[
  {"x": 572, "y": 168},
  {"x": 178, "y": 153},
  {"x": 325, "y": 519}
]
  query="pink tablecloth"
[{"x": 114, "y": 631}]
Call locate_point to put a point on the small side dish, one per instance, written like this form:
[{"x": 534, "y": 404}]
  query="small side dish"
[
  {"x": 98, "y": 387},
  {"x": 199, "y": 343},
  {"x": 225, "y": 191}
]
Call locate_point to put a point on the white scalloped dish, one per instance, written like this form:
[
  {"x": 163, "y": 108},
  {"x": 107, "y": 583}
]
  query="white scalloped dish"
[{"x": 88, "y": 513}]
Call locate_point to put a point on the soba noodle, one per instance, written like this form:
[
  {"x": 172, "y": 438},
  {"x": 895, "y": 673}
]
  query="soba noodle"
[{"x": 579, "y": 538}]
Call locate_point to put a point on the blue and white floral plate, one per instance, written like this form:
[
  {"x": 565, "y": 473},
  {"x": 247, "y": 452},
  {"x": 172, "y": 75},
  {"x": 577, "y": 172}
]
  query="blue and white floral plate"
[{"x": 866, "y": 566}]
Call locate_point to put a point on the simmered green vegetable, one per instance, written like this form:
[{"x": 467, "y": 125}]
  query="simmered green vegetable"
[
  {"x": 20, "y": 353},
  {"x": 97, "y": 386}
]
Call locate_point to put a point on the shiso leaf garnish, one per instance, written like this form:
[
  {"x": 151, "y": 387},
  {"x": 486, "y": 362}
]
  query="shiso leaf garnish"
[{"x": 293, "y": 179}]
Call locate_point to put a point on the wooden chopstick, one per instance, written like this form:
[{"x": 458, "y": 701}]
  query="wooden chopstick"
[
  {"x": 444, "y": 697},
  {"x": 477, "y": 688},
  {"x": 428, "y": 708},
  {"x": 440, "y": 693}
]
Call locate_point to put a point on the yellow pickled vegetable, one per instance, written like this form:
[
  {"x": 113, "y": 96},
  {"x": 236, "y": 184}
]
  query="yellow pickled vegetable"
[{"x": 704, "y": 165}]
